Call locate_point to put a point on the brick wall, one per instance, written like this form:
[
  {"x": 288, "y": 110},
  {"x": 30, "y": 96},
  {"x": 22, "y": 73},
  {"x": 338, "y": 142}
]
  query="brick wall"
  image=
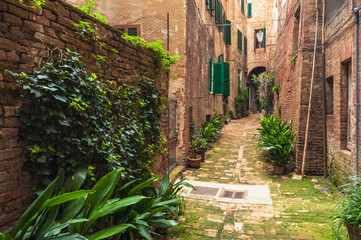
[
  {"x": 26, "y": 34},
  {"x": 295, "y": 77}
]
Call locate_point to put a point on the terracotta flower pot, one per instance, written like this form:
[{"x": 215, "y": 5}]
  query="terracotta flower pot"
[
  {"x": 279, "y": 170},
  {"x": 354, "y": 233},
  {"x": 194, "y": 162}
]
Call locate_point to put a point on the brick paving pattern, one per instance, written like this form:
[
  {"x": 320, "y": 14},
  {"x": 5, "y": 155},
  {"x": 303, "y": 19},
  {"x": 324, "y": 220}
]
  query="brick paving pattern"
[{"x": 300, "y": 209}]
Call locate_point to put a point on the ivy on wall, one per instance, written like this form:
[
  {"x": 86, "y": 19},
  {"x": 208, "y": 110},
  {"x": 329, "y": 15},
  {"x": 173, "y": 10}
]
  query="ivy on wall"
[{"x": 73, "y": 120}]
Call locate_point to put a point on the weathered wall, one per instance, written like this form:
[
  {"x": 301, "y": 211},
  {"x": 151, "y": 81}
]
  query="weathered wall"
[
  {"x": 340, "y": 50},
  {"x": 295, "y": 42},
  {"x": 26, "y": 35}
]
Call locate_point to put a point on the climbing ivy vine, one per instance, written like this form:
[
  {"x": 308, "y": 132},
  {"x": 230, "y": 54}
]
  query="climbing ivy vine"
[{"x": 74, "y": 120}]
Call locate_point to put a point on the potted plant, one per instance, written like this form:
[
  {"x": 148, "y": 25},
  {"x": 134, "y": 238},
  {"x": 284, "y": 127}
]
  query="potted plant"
[
  {"x": 276, "y": 137},
  {"x": 348, "y": 210},
  {"x": 194, "y": 160},
  {"x": 201, "y": 146}
]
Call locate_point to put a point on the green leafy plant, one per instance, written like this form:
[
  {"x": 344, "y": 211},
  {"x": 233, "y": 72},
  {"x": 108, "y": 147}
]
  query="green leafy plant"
[
  {"x": 87, "y": 8},
  {"x": 348, "y": 210},
  {"x": 276, "y": 137},
  {"x": 293, "y": 59},
  {"x": 36, "y": 3},
  {"x": 161, "y": 57},
  {"x": 265, "y": 82},
  {"x": 42, "y": 218},
  {"x": 73, "y": 120},
  {"x": 276, "y": 89}
]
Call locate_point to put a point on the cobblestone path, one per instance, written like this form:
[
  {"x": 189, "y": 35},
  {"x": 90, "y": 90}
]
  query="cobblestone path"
[{"x": 299, "y": 209}]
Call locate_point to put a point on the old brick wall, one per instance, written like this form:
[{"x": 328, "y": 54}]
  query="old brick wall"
[
  {"x": 340, "y": 50},
  {"x": 26, "y": 35},
  {"x": 294, "y": 79}
]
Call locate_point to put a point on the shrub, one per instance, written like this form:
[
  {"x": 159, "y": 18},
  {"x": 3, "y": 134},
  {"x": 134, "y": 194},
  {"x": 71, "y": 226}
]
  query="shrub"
[{"x": 276, "y": 137}]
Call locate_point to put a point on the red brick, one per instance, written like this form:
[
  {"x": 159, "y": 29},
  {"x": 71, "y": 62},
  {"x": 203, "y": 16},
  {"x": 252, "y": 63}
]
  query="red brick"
[
  {"x": 8, "y": 186},
  {"x": 18, "y": 12},
  {"x": 12, "y": 19},
  {"x": 3, "y": 7},
  {"x": 22, "y": 49},
  {"x": 3, "y": 27},
  {"x": 6, "y": 44},
  {"x": 36, "y": 27},
  {"x": 5, "y": 197},
  {"x": 9, "y": 154},
  {"x": 2, "y": 55},
  {"x": 4, "y": 143},
  {"x": 48, "y": 15},
  {"x": 12, "y": 122},
  {"x": 24, "y": 58},
  {"x": 3, "y": 176},
  {"x": 40, "y": 20},
  {"x": 8, "y": 111},
  {"x": 48, "y": 40},
  {"x": 26, "y": 68},
  {"x": 5, "y": 219}
]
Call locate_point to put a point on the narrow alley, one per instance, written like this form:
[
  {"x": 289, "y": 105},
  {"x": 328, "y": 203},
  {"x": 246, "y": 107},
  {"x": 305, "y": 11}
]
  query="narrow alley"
[{"x": 298, "y": 210}]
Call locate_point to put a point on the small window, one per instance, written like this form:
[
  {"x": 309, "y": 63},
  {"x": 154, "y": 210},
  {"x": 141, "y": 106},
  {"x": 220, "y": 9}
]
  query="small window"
[
  {"x": 242, "y": 6},
  {"x": 245, "y": 46},
  {"x": 249, "y": 10},
  {"x": 329, "y": 96},
  {"x": 132, "y": 30}
]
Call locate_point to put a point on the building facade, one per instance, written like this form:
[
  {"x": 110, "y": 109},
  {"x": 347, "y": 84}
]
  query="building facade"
[{"x": 332, "y": 126}]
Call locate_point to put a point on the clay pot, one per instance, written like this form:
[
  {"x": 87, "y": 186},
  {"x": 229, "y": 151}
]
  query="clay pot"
[
  {"x": 279, "y": 170},
  {"x": 194, "y": 162},
  {"x": 354, "y": 233}
]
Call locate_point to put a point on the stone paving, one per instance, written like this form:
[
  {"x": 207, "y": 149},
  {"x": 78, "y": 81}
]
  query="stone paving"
[{"x": 300, "y": 209}]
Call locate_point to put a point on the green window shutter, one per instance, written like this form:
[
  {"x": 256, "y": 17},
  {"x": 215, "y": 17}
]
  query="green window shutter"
[
  {"x": 216, "y": 10},
  {"x": 211, "y": 6},
  {"x": 207, "y": 3},
  {"x": 224, "y": 26},
  {"x": 226, "y": 79},
  {"x": 218, "y": 78},
  {"x": 242, "y": 6},
  {"x": 239, "y": 40},
  {"x": 264, "y": 38},
  {"x": 249, "y": 10},
  {"x": 245, "y": 46},
  {"x": 220, "y": 15},
  {"x": 211, "y": 75},
  {"x": 228, "y": 33}
]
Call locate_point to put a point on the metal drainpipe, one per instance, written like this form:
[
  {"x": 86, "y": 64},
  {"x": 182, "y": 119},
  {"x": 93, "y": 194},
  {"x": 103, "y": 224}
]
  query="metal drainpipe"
[
  {"x": 356, "y": 21},
  {"x": 324, "y": 117}
]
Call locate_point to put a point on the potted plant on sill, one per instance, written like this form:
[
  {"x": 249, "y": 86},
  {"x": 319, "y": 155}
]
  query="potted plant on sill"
[
  {"x": 348, "y": 210},
  {"x": 194, "y": 159}
]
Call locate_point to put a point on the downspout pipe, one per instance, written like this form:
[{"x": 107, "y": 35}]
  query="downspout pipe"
[{"x": 356, "y": 21}]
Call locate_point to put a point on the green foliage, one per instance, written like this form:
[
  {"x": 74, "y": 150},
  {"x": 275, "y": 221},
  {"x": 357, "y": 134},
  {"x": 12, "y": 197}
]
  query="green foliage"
[
  {"x": 293, "y": 59},
  {"x": 87, "y": 8},
  {"x": 276, "y": 89},
  {"x": 36, "y": 3},
  {"x": 64, "y": 212},
  {"x": 207, "y": 134},
  {"x": 348, "y": 210},
  {"x": 74, "y": 120},
  {"x": 231, "y": 113},
  {"x": 265, "y": 82},
  {"x": 240, "y": 101},
  {"x": 161, "y": 57},
  {"x": 276, "y": 137}
]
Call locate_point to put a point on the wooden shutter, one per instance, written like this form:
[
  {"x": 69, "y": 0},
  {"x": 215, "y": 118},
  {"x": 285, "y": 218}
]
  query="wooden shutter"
[
  {"x": 216, "y": 10},
  {"x": 218, "y": 78},
  {"x": 264, "y": 38},
  {"x": 228, "y": 33},
  {"x": 245, "y": 46},
  {"x": 226, "y": 79},
  {"x": 242, "y": 6},
  {"x": 211, "y": 75},
  {"x": 211, "y": 7},
  {"x": 239, "y": 40},
  {"x": 249, "y": 10}
]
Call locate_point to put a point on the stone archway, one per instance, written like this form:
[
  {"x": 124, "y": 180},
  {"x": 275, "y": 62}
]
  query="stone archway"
[{"x": 252, "y": 88}]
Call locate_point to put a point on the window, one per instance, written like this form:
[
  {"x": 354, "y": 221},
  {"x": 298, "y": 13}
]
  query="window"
[
  {"x": 211, "y": 6},
  {"x": 239, "y": 40},
  {"x": 221, "y": 58},
  {"x": 245, "y": 46},
  {"x": 259, "y": 38},
  {"x": 211, "y": 75},
  {"x": 329, "y": 96},
  {"x": 132, "y": 30},
  {"x": 242, "y": 6},
  {"x": 296, "y": 27},
  {"x": 249, "y": 10},
  {"x": 228, "y": 33},
  {"x": 346, "y": 99},
  {"x": 221, "y": 83}
]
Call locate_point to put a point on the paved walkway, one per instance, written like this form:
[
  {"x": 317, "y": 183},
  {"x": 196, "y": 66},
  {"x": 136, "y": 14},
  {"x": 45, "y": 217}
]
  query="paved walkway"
[{"x": 299, "y": 209}]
